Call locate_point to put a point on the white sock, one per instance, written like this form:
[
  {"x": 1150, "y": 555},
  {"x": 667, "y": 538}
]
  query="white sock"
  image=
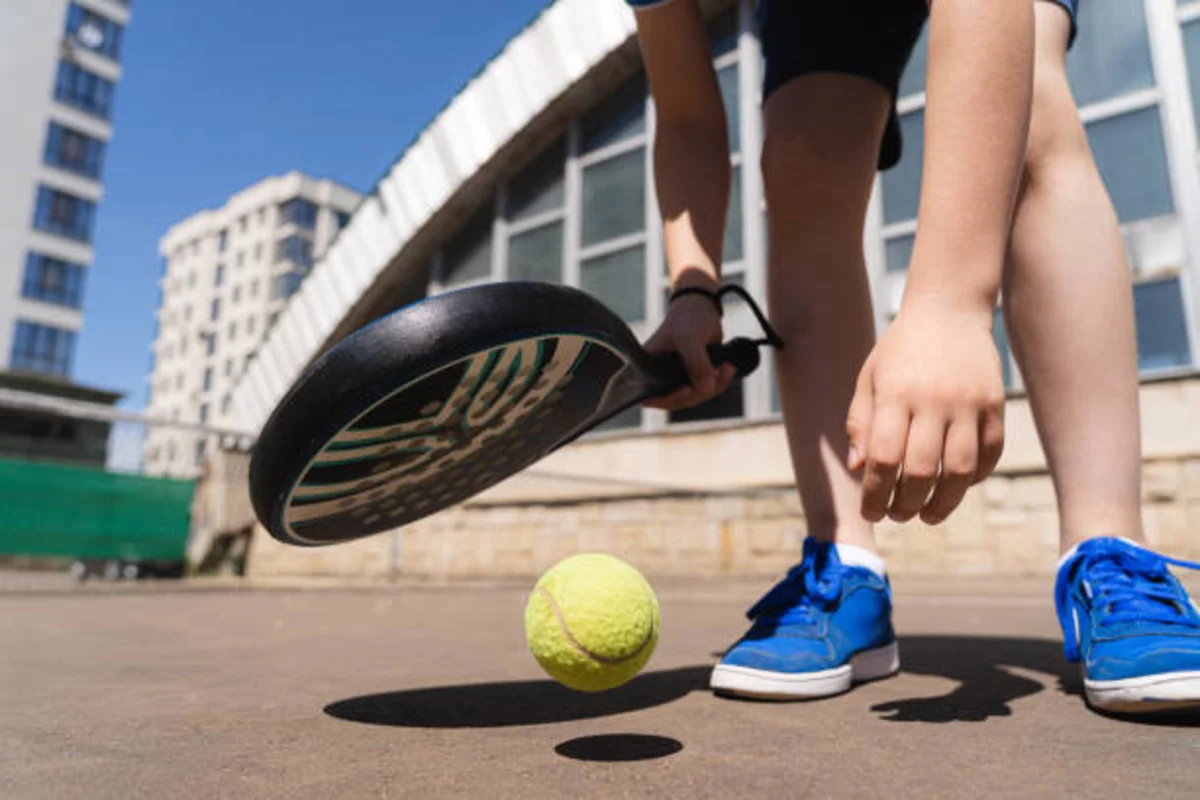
[{"x": 855, "y": 556}]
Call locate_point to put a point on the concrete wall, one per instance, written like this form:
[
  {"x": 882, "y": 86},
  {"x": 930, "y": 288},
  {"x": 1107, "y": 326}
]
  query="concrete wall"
[{"x": 1008, "y": 525}]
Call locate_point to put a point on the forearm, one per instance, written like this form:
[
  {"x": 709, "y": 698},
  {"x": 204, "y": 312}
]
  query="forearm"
[
  {"x": 692, "y": 175},
  {"x": 978, "y": 96}
]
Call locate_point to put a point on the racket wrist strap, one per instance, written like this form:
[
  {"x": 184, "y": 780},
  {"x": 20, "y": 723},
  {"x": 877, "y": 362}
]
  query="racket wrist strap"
[
  {"x": 715, "y": 297},
  {"x": 770, "y": 336}
]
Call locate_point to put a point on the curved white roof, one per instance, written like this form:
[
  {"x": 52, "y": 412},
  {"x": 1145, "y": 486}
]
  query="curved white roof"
[{"x": 555, "y": 52}]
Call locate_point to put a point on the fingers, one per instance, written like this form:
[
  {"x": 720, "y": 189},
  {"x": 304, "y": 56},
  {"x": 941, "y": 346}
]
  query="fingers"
[
  {"x": 959, "y": 464},
  {"x": 858, "y": 420},
  {"x": 884, "y": 455},
  {"x": 991, "y": 440},
  {"x": 687, "y": 396},
  {"x": 920, "y": 470},
  {"x": 700, "y": 369}
]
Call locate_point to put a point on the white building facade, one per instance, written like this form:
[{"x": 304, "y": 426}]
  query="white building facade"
[
  {"x": 541, "y": 167},
  {"x": 61, "y": 60},
  {"x": 227, "y": 274}
]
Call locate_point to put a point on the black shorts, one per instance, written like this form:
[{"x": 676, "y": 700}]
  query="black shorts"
[{"x": 869, "y": 38}]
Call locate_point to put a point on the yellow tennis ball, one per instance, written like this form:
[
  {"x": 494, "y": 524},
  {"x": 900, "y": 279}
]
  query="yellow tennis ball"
[{"x": 592, "y": 622}]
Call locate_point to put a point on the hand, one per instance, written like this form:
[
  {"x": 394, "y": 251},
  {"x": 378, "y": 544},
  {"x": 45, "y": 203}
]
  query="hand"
[
  {"x": 691, "y": 325},
  {"x": 927, "y": 419}
]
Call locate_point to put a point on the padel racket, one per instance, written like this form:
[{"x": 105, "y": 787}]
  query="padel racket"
[{"x": 435, "y": 403}]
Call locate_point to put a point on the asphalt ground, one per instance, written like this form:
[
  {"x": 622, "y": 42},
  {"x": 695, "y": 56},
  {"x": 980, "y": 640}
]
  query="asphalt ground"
[{"x": 230, "y": 690}]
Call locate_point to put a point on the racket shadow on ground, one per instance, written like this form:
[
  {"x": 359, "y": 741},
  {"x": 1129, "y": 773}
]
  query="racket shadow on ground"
[{"x": 498, "y": 705}]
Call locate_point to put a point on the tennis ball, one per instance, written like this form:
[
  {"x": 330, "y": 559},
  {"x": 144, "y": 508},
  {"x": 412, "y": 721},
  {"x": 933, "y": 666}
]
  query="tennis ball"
[{"x": 592, "y": 622}]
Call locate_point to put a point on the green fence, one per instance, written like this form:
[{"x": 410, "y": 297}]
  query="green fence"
[{"x": 77, "y": 512}]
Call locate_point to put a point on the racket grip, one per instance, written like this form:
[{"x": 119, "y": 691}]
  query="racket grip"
[{"x": 740, "y": 352}]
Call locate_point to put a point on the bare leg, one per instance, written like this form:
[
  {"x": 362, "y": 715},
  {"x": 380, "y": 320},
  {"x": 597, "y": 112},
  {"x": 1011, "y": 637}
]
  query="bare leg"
[
  {"x": 1069, "y": 308},
  {"x": 819, "y": 156}
]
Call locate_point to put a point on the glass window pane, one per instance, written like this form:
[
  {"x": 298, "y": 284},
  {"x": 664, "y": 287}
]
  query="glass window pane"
[
  {"x": 1161, "y": 325},
  {"x": 727, "y": 80},
  {"x": 614, "y": 198},
  {"x": 539, "y": 187},
  {"x": 1000, "y": 335},
  {"x": 619, "y": 281},
  {"x": 1191, "y": 44},
  {"x": 1132, "y": 161},
  {"x": 468, "y": 256},
  {"x": 629, "y": 418},
  {"x": 537, "y": 255},
  {"x": 913, "y": 79},
  {"x": 902, "y": 183},
  {"x": 723, "y": 32},
  {"x": 733, "y": 222},
  {"x": 1111, "y": 54},
  {"x": 621, "y": 116},
  {"x": 898, "y": 252}
]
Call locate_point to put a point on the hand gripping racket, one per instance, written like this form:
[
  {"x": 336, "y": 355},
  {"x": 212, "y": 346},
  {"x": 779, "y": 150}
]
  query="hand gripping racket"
[{"x": 437, "y": 402}]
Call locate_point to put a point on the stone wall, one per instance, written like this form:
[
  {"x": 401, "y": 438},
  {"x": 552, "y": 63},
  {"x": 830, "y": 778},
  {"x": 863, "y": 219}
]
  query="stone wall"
[{"x": 1006, "y": 526}]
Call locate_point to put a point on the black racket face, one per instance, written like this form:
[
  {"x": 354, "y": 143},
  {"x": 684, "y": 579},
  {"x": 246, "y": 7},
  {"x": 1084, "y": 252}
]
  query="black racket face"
[{"x": 451, "y": 432}]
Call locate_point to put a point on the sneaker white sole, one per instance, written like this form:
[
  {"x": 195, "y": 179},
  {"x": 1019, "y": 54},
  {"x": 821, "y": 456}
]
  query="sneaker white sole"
[
  {"x": 1164, "y": 692},
  {"x": 761, "y": 684}
]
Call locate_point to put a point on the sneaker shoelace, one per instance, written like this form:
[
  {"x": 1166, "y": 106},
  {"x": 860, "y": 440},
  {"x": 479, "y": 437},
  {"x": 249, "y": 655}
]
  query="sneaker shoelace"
[
  {"x": 1124, "y": 584},
  {"x": 809, "y": 587}
]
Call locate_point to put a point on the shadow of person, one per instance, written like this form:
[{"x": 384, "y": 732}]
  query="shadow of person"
[
  {"x": 495, "y": 705},
  {"x": 619, "y": 747},
  {"x": 978, "y": 664}
]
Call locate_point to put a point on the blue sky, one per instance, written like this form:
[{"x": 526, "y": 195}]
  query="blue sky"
[{"x": 219, "y": 94}]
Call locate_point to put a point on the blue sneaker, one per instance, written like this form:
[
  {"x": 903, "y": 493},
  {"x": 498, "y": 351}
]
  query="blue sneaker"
[
  {"x": 821, "y": 629},
  {"x": 1132, "y": 624}
]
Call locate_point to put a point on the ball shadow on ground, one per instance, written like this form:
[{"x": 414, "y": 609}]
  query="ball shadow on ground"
[
  {"x": 619, "y": 747},
  {"x": 495, "y": 705}
]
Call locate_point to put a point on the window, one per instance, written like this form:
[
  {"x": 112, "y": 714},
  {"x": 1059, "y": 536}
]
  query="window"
[
  {"x": 74, "y": 151},
  {"x": 206, "y": 385},
  {"x": 622, "y": 116},
  {"x": 258, "y": 252},
  {"x": 619, "y": 281},
  {"x": 1191, "y": 45},
  {"x": 241, "y": 258},
  {"x": 295, "y": 249},
  {"x": 250, "y": 326},
  {"x": 53, "y": 280},
  {"x": 200, "y": 443},
  {"x": 41, "y": 348},
  {"x": 64, "y": 214},
  {"x": 902, "y": 183},
  {"x": 1161, "y": 325},
  {"x": 286, "y": 285},
  {"x": 298, "y": 211},
  {"x": 254, "y": 288},
  {"x": 210, "y": 344},
  {"x": 203, "y": 413},
  {"x": 195, "y": 246},
  {"x": 538, "y": 188},
  {"x": 898, "y": 252},
  {"x": 226, "y": 404},
  {"x": 913, "y": 79},
  {"x": 232, "y": 330},
  {"x": 727, "y": 81},
  {"x": 94, "y": 32},
  {"x": 614, "y": 198},
  {"x": 243, "y": 223},
  {"x": 537, "y": 255},
  {"x": 187, "y": 313},
  {"x": 1000, "y": 336},
  {"x": 342, "y": 218},
  {"x": 222, "y": 240},
  {"x": 84, "y": 90},
  {"x": 219, "y": 275},
  {"x": 1111, "y": 54},
  {"x": 262, "y": 216},
  {"x": 468, "y": 256},
  {"x": 1132, "y": 160},
  {"x": 228, "y": 367},
  {"x": 237, "y": 294},
  {"x": 214, "y": 311}
]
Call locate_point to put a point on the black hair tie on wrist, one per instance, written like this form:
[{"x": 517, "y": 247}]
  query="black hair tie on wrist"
[{"x": 770, "y": 336}]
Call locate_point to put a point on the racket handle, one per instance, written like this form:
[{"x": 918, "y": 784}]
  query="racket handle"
[{"x": 740, "y": 352}]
